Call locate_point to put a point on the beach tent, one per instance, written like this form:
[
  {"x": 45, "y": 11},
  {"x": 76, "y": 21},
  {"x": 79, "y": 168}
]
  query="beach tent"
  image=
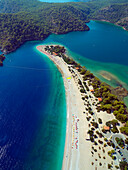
[
  {"x": 100, "y": 99},
  {"x": 55, "y": 53},
  {"x": 68, "y": 78},
  {"x": 106, "y": 128}
]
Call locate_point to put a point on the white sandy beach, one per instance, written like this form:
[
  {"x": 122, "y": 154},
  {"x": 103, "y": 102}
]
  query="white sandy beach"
[
  {"x": 78, "y": 151},
  {"x": 79, "y": 158}
]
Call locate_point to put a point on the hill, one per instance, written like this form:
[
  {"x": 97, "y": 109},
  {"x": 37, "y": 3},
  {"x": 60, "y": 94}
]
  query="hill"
[
  {"x": 116, "y": 13},
  {"x": 37, "y": 22},
  {"x": 26, "y": 20}
]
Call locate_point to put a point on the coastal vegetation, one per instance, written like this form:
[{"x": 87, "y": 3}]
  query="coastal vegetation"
[
  {"x": 116, "y": 14},
  {"x": 101, "y": 128},
  {"x": 120, "y": 142},
  {"x": 20, "y": 22},
  {"x": 112, "y": 125},
  {"x": 106, "y": 100},
  {"x": 123, "y": 165},
  {"x": 26, "y": 20},
  {"x": 109, "y": 102},
  {"x": 111, "y": 154}
]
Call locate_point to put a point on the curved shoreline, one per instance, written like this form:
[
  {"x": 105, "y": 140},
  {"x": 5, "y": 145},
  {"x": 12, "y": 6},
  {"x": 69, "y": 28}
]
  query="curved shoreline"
[
  {"x": 67, "y": 101},
  {"x": 103, "y": 20},
  {"x": 79, "y": 147},
  {"x": 88, "y": 28},
  {"x": 18, "y": 45},
  {"x": 74, "y": 158}
]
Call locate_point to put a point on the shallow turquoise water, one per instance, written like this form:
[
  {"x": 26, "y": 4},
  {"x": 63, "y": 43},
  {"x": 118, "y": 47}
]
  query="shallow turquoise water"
[
  {"x": 62, "y": 1},
  {"x": 32, "y": 96},
  {"x": 104, "y": 47},
  {"x": 58, "y": 1}
]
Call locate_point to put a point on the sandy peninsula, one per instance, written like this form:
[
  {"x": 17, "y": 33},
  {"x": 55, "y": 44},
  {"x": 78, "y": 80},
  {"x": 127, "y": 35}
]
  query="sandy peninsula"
[
  {"x": 77, "y": 153},
  {"x": 80, "y": 153}
]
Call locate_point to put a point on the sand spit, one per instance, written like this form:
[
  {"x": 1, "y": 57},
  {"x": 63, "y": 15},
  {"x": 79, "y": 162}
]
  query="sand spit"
[{"x": 80, "y": 153}]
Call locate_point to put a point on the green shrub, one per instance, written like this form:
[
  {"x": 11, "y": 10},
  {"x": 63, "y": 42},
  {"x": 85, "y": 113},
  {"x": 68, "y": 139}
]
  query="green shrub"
[
  {"x": 123, "y": 165},
  {"x": 82, "y": 90},
  {"x": 100, "y": 120},
  {"x": 86, "y": 96},
  {"x": 120, "y": 141},
  {"x": 109, "y": 166},
  {"x": 117, "y": 167},
  {"x": 105, "y": 139},
  {"x": 83, "y": 98},
  {"x": 113, "y": 157},
  {"x": 124, "y": 130},
  {"x": 101, "y": 142},
  {"x": 95, "y": 124},
  {"x": 115, "y": 130},
  {"x": 126, "y": 141}
]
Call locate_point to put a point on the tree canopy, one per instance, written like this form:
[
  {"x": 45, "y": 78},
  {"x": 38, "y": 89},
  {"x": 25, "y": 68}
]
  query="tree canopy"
[{"x": 25, "y": 20}]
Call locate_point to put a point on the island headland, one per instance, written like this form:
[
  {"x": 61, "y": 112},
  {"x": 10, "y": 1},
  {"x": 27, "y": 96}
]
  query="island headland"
[{"x": 97, "y": 121}]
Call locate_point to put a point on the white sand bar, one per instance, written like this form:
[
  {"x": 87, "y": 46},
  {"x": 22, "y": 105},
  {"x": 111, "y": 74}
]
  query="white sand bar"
[
  {"x": 78, "y": 153},
  {"x": 80, "y": 157}
]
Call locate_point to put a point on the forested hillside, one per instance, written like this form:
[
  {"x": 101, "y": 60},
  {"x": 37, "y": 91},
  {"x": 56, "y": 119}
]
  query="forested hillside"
[
  {"x": 13, "y": 6},
  {"x": 23, "y": 20},
  {"x": 116, "y": 13},
  {"x": 37, "y": 22}
]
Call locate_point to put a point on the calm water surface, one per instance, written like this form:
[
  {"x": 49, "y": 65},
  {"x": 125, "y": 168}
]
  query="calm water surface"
[
  {"x": 32, "y": 126},
  {"x": 32, "y": 96},
  {"x": 62, "y": 1}
]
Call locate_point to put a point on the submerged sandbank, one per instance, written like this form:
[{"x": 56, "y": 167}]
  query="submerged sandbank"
[{"x": 110, "y": 77}]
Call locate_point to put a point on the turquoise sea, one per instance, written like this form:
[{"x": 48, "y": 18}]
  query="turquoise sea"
[
  {"x": 57, "y": 1},
  {"x": 32, "y": 95},
  {"x": 61, "y": 1}
]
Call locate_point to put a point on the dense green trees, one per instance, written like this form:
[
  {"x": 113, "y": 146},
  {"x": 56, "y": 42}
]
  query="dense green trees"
[
  {"x": 110, "y": 102},
  {"x": 120, "y": 141},
  {"x": 14, "y": 6},
  {"x": 123, "y": 165},
  {"x": 126, "y": 141},
  {"x": 57, "y": 49},
  {"x": 115, "y": 13},
  {"x": 25, "y": 20},
  {"x": 124, "y": 130},
  {"x": 33, "y": 20},
  {"x": 112, "y": 124}
]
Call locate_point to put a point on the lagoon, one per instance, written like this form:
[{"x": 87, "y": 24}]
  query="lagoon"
[{"x": 33, "y": 106}]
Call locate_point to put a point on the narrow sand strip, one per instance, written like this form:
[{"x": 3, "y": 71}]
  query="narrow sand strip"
[{"x": 77, "y": 152}]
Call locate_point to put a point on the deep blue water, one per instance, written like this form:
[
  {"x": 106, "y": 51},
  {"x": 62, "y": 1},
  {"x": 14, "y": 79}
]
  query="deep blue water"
[
  {"x": 27, "y": 108},
  {"x": 32, "y": 96},
  {"x": 105, "y": 42}
]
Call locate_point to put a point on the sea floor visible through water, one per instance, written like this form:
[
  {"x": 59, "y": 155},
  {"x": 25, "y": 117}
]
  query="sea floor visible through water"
[
  {"x": 103, "y": 48},
  {"x": 32, "y": 102}
]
